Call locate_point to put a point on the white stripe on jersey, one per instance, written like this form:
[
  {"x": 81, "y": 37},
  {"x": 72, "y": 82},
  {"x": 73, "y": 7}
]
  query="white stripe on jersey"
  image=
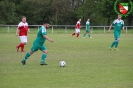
[
  {"x": 22, "y": 24},
  {"x": 43, "y": 29},
  {"x": 118, "y": 21},
  {"x": 87, "y": 22}
]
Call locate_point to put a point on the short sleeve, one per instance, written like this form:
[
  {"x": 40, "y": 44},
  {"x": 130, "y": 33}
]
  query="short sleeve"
[
  {"x": 122, "y": 23},
  {"x": 44, "y": 31},
  {"x": 19, "y": 25},
  {"x": 113, "y": 24}
]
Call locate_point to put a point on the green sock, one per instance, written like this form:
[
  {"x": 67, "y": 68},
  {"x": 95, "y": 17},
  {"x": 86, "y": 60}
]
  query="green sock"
[
  {"x": 43, "y": 58},
  {"x": 113, "y": 43},
  {"x": 26, "y": 56},
  {"x": 89, "y": 35},
  {"x": 116, "y": 44},
  {"x": 84, "y": 35}
]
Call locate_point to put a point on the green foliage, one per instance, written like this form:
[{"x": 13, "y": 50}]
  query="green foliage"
[
  {"x": 87, "y": 10},
  {"x": 62, "y": 12},
  {"x": 7, "y": 12}
]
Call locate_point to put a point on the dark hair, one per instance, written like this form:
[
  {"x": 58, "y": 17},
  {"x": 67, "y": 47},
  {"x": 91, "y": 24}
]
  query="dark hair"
[{"x": 46, "y": 22}]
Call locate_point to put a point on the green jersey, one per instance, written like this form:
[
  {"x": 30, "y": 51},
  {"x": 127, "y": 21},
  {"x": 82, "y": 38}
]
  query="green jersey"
[
  {"x": 118, "y": 24},
  {"x": 87, "y": 25},
  {"x": 40, "y": 39}
]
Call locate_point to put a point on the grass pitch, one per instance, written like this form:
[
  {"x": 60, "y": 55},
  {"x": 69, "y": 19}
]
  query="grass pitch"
[{"x": 90, "y": 64}]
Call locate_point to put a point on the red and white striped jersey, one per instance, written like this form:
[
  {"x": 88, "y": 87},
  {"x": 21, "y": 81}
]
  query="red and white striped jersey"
[
  {"x": 23, "y": 28},
  {"x": 77, "y": 25}
]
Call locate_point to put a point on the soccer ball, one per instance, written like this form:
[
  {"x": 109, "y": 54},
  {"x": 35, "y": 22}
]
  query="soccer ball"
[{"x": 62, "y": 63}]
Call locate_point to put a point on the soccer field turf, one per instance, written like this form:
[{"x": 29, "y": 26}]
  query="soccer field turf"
[{"x": 90, "y": 64}]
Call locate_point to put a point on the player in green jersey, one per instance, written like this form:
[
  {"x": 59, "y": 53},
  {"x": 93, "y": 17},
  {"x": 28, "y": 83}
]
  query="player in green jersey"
[
  {"x": 87, "y": 28},
  {"x": 118, "y": 25},
  {"x": 38, "y": 44}
]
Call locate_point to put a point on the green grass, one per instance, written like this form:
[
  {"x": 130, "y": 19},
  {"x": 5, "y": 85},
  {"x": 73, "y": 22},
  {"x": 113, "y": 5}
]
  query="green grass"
[{"x": 90, "y": 64}]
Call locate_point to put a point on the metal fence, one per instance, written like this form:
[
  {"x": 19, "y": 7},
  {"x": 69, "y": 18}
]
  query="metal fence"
[{"x": 66, "y": 27}]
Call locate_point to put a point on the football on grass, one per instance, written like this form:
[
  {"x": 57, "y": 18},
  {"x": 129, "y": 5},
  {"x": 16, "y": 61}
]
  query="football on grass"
[{"x": 62, "y": 63}]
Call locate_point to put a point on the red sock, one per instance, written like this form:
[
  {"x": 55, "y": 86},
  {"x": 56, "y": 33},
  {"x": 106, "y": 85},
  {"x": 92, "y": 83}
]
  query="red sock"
[
  {"x": 77, "y": 35},
  {"x": 73, "y": 34},
  {"x": 22, "y": 47},
  {"x": 19, "y": 45}
]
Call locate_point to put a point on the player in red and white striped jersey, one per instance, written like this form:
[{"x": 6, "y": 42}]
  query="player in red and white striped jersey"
[
  {"x": 22, "y": 33},
  {"x": 77, "y": 28}
]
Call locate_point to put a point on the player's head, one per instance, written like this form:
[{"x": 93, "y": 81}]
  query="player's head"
[
  {"x": 23, "y": 19},
  {"x": 80, "y": 19},
  {"x": 46, "y": 24},
  {"x": 119, "y": 17},
  {"x": 88, "y": 19}
]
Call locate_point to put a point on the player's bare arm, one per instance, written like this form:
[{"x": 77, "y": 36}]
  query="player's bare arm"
[
  {"x": 123, "y": 29},
  {"x": 17, "y": 32},
  {"x": 110, "y": 28},
  {"x": 45, "y": 36},
  {"x": 28, "y": 30}
]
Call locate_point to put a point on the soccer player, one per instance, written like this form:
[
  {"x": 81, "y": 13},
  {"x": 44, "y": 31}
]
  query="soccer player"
[
  {"x": 77, "y": 28},
  {"x": 22, "y": 32},
  {"x": 87, "y": 28},
  {"x": 38, "y": 44},
  {"x": 118, "y": 25}
]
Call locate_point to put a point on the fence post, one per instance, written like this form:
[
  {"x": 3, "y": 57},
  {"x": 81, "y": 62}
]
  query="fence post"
[
  {"x": 104, "y": 29},
  {"x": 126, "y": 30},
  {"x": 38, "y": 27}
]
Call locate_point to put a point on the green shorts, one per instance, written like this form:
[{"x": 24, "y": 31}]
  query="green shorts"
[
  {"x": 36, "y": 47},
  {"x": 87, "y": 31},
  {"x": 116, "y": 34}
]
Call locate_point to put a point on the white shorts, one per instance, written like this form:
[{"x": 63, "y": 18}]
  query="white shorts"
[
  {"x": 23, "y": 39},
  {"x": 77, "y": 30}
]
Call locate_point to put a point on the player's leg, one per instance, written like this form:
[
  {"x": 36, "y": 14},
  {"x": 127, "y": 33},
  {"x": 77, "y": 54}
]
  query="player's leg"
[
  {"x": 24, "y": 41},
  {"x": 88, "y": 31},
  {"x": 113, "y": 43},
  {"x": 78, "y": 32},
  {"x": 117, "y": 40},
  {"x": 89, "y": 35},
  {"x": 20, "y": 45},
  {"x": 33, "y": 49},
  {"x": 84, "y": 34},
  {"x": 116, "y": 43},
  {"x": 44, "y": 55},
  {"x": 74, "y": 33},
  {"x": 26, "y": 57}
]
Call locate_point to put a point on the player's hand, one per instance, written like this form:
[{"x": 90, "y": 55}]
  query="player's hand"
[
  {"x": 51, "y": 40},
  {"x": 28, "y": 30},
  {"x": 16, "y": 35}
]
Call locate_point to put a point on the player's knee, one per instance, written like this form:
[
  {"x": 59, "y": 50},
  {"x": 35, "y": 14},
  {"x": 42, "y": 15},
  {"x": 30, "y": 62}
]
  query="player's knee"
[
  {"x": 24, "y": 43},
  {"x": 31, "y": 52},
  {"x": 45, "y": 51},
  {"x": 118, "y": 39}
]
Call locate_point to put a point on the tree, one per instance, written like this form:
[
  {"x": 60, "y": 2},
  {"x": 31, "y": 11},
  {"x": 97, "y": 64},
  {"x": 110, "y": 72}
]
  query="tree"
[
  {"x": 7, "y": 12},
  {"x": 107, "y": 10}
]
